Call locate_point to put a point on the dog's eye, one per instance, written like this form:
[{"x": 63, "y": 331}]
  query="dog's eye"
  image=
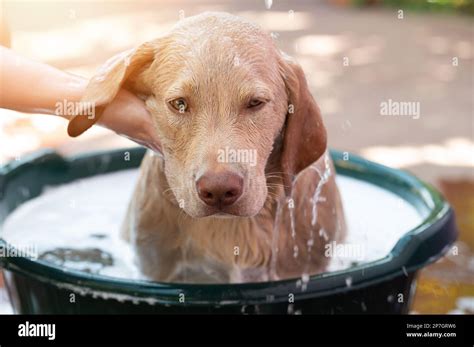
[
  {"x": 254, "y": 103},
  {"x": 179, "y": 105}
]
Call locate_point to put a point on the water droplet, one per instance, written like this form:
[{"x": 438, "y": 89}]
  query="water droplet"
[
  {"x": 349, "y": 281},
  {"x": 304, "y": 282},
  {"x": 404, "y": 269},
  {"x": 291, "y": 14},
  {"x": 292, "y": 224},
  {"x": 295, "y": 251},
  {"x": 346, "y": 125},
  {"x": 323, "y": 234},
  {"x": 291, "y": 309}
]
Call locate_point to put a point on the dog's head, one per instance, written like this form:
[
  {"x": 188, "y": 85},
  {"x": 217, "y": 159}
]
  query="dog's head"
[{"x": 223, "y": 99}]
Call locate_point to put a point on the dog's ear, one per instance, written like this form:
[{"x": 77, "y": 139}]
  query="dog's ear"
[
  {"x": 105, "y": 84},
  {"x": 304, "y": 138}
]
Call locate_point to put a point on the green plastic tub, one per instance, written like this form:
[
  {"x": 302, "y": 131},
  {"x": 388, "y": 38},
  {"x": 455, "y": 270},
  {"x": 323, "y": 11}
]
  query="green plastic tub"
[{"x": 38, "y": 287}]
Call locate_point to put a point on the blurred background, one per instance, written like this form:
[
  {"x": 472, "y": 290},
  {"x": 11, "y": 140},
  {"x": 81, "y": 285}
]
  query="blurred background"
[{"x": 356, "y": 54}]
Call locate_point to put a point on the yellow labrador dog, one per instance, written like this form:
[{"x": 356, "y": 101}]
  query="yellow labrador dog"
[{"x": 244, "y": 189}]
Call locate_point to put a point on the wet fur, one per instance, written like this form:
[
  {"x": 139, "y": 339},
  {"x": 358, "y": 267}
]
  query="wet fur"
[{"x": 220, "y": 59}]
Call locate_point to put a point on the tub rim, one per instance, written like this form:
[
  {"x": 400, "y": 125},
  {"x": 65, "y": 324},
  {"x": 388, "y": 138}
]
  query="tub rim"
[{"x": 437, "y": 230}]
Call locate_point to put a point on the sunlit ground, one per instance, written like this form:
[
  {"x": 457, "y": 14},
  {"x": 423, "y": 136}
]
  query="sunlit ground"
[{"x": 354, "y": 60}]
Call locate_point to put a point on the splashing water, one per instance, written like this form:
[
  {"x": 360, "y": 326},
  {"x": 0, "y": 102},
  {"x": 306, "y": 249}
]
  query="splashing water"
[
  {"x": 314, "y": 200},
  {"x": 304, "y": 281},
  {"x": 292, "y": 222},
  {"x": 275, "y": 239},
  {"x": 323, "y": 234},
  {"x": 295, "y": 251},
  {"x": 323, "y": 179}
]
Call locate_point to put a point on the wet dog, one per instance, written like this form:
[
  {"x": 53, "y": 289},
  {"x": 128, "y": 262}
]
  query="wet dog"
[{"x": 244, "y": 189}]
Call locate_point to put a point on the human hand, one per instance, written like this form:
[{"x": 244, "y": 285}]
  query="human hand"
[
  {"x": 34, "y": 87},
  {"x": 127, "y": 116}
]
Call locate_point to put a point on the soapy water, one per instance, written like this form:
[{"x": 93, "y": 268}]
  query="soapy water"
[{"x": 77, "y": 225}]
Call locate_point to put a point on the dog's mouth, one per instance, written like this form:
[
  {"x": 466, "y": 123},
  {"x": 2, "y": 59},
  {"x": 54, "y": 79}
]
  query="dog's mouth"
[
  {"x": 224, "y": 215},
  {"x": 225, "y": 212}
]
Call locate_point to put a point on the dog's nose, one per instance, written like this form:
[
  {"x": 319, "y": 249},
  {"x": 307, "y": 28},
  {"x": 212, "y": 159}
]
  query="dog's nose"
[{"x": 220, "y": 189}]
